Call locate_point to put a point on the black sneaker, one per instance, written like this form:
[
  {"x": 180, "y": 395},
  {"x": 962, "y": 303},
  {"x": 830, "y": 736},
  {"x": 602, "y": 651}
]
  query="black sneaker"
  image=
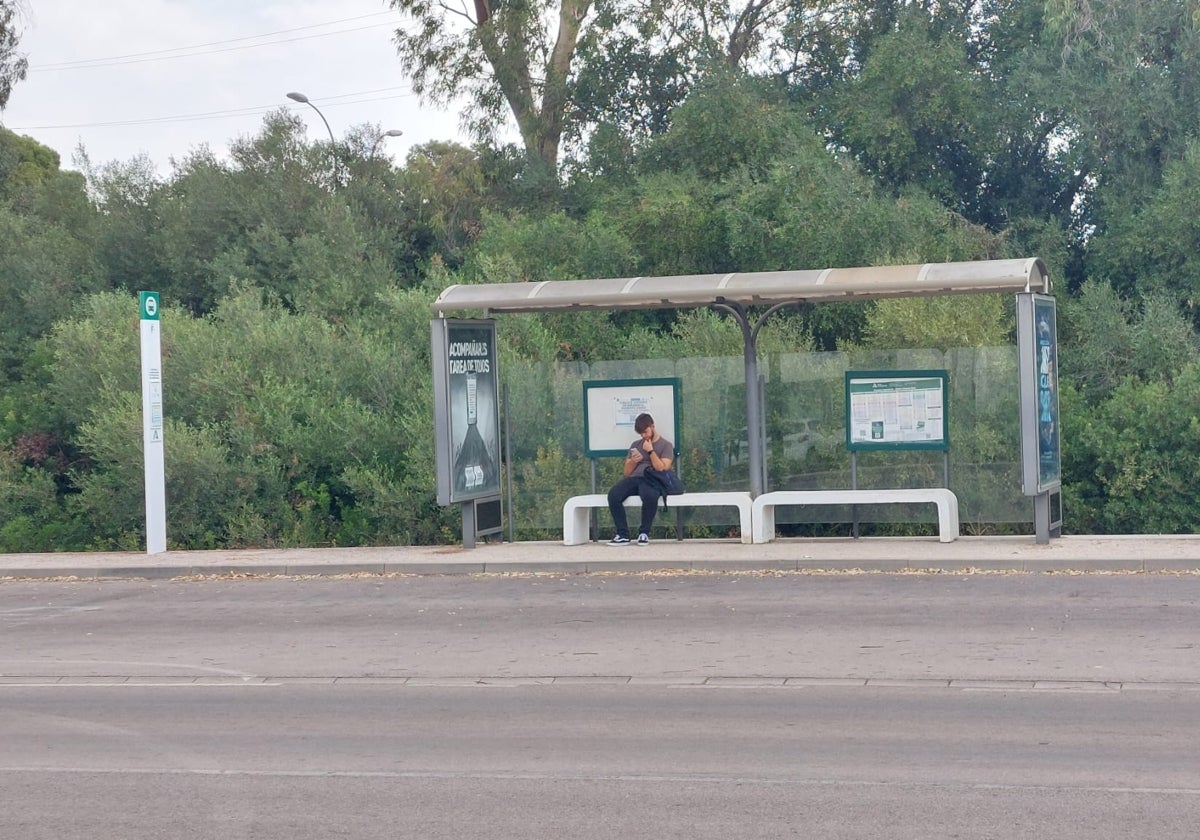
[
  {"x": 619, "y": 540},
  {"x": 643, "y": 539}
]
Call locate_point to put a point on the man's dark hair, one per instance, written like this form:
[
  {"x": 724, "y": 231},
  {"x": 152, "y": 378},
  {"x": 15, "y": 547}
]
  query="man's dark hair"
[{"x": 642, "y": 423}]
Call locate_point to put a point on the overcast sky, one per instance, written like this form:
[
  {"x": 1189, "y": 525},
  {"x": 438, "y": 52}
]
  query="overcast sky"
[{"x": 163, "y": 77}]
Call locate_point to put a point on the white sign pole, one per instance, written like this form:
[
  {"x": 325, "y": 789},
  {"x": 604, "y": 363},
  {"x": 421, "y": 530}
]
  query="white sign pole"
[{"x": 152, "y": 425}]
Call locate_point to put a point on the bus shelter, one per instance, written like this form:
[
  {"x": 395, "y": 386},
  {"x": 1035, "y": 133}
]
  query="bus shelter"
[{"x": 750, "y": 298}]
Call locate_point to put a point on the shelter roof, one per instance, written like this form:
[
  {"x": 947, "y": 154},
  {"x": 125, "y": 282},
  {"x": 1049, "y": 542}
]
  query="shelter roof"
[{"x": 755, "y": 288}]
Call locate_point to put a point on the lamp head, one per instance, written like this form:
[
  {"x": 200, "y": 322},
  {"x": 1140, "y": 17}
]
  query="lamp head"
[{"x": 298, "y": 97}]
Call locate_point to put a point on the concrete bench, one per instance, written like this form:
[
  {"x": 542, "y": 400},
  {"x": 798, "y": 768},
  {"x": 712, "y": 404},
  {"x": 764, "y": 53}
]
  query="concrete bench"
[
  {"x": 577, "y": 509},
  {"x": 763, "y": 511}
]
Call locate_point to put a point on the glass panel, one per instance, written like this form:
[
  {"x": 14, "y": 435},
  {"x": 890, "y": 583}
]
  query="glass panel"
[{"x": 805, "y": 437}]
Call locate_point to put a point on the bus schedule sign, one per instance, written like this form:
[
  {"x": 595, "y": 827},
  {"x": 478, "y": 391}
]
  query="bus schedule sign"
[{"x": 897, "y": 409}]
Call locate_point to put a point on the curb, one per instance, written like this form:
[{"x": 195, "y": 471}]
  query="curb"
[{"x": 1141, "y": 554}]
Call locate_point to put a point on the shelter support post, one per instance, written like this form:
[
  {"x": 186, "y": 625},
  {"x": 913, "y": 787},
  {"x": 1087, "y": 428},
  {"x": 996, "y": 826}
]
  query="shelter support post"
[
  {"x": 854, "y": 486},
  {"x": 755, "y": 416},
  {"x": 508, "y": 467},
  {"x": 1041, "y": 518},
  {"x": 468, "y": 524},
  {"x": 1047, "y": 516},
  {"x": 594, "y": 520},
  {"x": 754, "y": 441}
]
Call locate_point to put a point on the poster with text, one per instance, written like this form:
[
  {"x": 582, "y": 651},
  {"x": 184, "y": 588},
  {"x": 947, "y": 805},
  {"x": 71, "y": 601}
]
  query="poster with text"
[
  {"x": 610, "y": 408},
  {"x": 466, "y": 409},
  {"x": 903, "y": 409}
]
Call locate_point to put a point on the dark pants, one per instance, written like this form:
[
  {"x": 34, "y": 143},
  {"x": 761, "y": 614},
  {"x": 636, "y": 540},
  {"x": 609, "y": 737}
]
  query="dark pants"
[{"x": 622, "y": 490}]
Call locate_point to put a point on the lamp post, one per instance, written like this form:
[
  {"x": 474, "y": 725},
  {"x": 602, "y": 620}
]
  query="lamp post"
[
  {"x": 301, "y": 98},
  {"x": 392, "y": 132}
]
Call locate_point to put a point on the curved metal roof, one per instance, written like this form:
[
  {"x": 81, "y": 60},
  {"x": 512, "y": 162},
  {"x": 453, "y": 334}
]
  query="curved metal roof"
[{"x": 750, "y": 288}]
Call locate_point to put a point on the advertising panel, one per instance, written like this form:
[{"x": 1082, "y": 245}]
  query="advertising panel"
[
  {"x": 1037, "y": 347},
  {"x": 466, "y": 409}
]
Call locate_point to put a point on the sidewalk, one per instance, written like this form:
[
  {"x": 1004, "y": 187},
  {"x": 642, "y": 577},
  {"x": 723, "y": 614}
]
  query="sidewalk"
[{"x": 1140, "y": 553}]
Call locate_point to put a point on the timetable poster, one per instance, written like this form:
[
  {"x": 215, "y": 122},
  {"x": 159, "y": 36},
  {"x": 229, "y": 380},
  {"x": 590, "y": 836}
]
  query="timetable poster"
[{"x": 896, "y": 410}]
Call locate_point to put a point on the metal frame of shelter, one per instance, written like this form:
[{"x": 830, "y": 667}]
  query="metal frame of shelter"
[{"x": 743, "y": 294}]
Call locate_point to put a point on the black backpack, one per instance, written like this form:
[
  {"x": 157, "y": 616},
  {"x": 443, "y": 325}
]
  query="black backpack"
[{"x": 665, "y": 483}]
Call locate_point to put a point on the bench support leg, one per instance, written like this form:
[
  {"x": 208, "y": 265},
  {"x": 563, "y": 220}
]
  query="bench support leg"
[
  {"x": 763, "y": 530},
  {"x": 575, "y": 526}
]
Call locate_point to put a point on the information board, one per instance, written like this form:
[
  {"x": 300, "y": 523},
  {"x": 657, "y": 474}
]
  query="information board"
[
  {"x": 610, "y": 408},
  {"x": 889, "y": 409}
]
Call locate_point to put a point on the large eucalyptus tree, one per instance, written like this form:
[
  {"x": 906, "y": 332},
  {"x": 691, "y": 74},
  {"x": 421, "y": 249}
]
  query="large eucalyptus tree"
[
  {"x": 13, "y": 65},
  {"x": 558, "y": 67}
]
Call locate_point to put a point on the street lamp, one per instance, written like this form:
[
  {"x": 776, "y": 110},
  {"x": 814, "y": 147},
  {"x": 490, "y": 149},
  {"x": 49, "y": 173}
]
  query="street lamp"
[
  {"x": 300, "y": 97},
  {"x": 392, "y": 132}
]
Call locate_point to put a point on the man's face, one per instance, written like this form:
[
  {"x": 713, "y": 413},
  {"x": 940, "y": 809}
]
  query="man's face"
[{"x": 648, "y": 432}]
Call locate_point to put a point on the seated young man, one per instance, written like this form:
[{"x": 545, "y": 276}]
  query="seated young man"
[{"x": 649, "y": 450}]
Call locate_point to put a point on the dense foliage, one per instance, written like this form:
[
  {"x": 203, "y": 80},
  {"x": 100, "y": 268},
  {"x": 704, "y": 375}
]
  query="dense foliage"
[
  {"x": 297, "y": 277},
  {"x": 13, "y": 65}
]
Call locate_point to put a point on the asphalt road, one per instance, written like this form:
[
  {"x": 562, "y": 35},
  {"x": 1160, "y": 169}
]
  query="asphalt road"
[{"x": 731, "y": 706}]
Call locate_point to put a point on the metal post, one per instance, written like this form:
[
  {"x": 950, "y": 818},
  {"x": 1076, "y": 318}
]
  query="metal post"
[
  {"x": 754, "y": 439},
  {"x": 594, "y": 515},
  {"x": 750, "y": 360},
  {"x": 300, "y": 97},
  {"x": 508, "y": 461},
  {"x": 1041, "y": 518},
  {"x": 468, "y": 524},
  {"x": 754, "y": 398},
  {"x": 854, "y": 486},
  {"x": 762, "y": 433}
]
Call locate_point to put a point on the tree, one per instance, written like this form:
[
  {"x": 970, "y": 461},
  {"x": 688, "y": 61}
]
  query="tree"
[
  {"x": 46, "y": 248},
  {"x": 1153, "y": 249},
  {"x": 639, "y": 59},
  {"x": 127, "y": 196},
  {"x": 918, "y": 114},
  {"x": 266, "y": 217},
  {"x": 13, "y": 65},
  {"x": 527, "y": 47},
  {"x": 1107, "y": 340},
  {"x": 23, "y": 163},
  {"x": 1130, "y": 77},
  {"x": 957, "y": 98},
  {"x": 284, "y": 428},
  {"x": 1133, "y": 463},
  {"x": 445, "y": 191}
]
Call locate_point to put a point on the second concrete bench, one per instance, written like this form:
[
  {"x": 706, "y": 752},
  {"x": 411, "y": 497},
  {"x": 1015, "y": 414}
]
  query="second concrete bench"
[{"x": 763, "y": 508}]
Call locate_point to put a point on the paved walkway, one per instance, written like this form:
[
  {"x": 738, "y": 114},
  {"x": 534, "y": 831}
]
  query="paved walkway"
[{"x": 1141, "y": 553}]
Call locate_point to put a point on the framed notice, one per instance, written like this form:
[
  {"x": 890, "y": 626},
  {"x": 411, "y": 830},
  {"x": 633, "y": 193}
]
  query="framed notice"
[
  {"x": 610, "y": 408},
  {"x": 897, "y": 409}
]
